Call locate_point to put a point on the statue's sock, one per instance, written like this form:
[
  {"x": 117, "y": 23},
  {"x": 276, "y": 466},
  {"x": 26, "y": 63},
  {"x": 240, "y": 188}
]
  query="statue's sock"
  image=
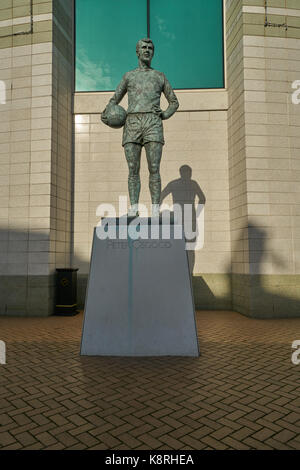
[
  {"x": 134, "y": 187},
  {"x": 155, "y": 187}
]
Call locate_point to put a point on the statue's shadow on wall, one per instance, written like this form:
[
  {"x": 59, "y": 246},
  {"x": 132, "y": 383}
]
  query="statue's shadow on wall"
[
  {"x": 186, "y": 191},
  {"x": 255, "y": 293}
]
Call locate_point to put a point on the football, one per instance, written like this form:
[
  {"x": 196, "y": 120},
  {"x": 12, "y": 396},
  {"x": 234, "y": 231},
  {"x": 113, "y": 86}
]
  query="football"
[{"x": 114, "y": 116}]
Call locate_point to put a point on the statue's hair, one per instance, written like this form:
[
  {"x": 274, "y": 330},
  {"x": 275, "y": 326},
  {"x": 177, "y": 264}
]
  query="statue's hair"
[{"x": 139, "y": 43}]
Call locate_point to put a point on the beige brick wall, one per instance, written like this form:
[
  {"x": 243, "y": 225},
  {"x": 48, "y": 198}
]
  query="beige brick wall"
[
  {"x": 236, "y": 136},
  {"x": 26, "y": 151},
  {"x": 62, "y": 138},
  {"x": 272, "y": 130},
  {"x": 263, "y": 142}
]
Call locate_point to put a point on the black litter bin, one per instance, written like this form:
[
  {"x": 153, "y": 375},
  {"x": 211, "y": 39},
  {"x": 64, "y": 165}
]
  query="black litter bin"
[{"x": 66, "y": 292}]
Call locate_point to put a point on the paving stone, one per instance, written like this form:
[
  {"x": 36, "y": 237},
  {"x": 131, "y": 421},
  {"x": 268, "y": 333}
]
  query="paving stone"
[
  {"x": 6, "y": 439},
  {"x": 284, "y": 436}
]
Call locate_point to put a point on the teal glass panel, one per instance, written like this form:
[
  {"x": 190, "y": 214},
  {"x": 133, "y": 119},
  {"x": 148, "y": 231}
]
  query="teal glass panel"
[
  {"x": 106, "y": 35},
  {"x": 188, "y": 39}
]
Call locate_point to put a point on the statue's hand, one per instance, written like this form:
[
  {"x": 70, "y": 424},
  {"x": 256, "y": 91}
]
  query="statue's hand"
[
  {"x": 157, "y": 110},
  {"x": 104, "y": 113},
  {"x": 163, "y": 116}
]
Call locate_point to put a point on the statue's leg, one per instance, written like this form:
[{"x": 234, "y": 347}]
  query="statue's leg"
[
  {"x": 133, "y": 157},
  {"x": 153, "y": 153}
]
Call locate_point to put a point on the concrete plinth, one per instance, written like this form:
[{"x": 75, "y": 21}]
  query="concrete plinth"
[{"x": 139, "y": 297}]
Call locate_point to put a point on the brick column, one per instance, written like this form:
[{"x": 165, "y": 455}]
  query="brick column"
[
  {"x": 35, "y": 125},
  {"x": 262, "y": 63}
]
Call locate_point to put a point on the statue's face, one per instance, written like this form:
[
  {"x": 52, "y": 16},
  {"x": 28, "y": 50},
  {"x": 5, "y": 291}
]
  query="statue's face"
[{"x": 145, "y": 52}]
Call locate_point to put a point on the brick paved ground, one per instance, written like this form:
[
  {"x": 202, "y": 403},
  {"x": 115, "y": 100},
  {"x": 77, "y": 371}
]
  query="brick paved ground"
[{"x": 240, "y": 394}]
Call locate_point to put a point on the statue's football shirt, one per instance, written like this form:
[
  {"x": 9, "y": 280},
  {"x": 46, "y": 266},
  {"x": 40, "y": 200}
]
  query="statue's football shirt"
[{"x": 144, "y": 88}]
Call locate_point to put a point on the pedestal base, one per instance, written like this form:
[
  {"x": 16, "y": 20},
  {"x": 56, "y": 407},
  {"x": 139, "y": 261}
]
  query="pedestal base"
[{"x": 139, "y": 298}]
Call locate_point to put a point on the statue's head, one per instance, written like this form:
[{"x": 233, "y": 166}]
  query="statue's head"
[
  {"x": 145, "y": 49},
  {"x": 185, "y": 172}
]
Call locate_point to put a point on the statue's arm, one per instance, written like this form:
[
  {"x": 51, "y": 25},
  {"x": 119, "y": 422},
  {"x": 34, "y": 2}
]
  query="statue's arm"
[
  {"x": 165, "y": 192},
  {"x": 172, "y": 100},
  {"x": 120, "y": 91},
  {"x": 200, "y": 194}
]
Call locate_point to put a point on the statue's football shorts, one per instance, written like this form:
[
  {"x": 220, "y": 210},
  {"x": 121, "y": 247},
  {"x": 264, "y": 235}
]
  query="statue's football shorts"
[{"x": 141, "y": 128}]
